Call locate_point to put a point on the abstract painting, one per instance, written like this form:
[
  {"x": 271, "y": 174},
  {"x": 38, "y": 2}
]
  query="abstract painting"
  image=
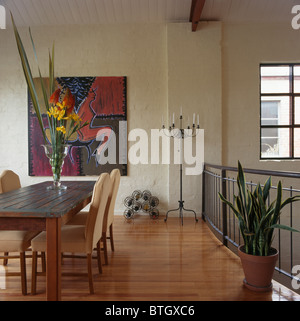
[{"x": 102, "y": 102}]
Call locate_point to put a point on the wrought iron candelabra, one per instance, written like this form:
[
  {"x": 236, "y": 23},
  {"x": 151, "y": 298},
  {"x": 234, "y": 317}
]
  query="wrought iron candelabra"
[{"x": 181, "y": 133}]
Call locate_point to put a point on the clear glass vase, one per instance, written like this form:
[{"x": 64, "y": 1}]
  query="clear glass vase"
[{"x": 56, "y": 154}]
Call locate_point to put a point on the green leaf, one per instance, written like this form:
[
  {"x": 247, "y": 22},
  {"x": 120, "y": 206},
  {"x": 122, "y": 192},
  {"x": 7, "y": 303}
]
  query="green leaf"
[
  {"x": 28, "y": 77},
  {"x": 278, "y": 203},
  {"x": 241, "y": 183},
  {"x": 51, "y": 72},
  {"x": 283, "y": 227},
  {"x": 223, "y": 199},
  {"x": 266, "y": 189},
  {"x": 46, "y": 98}
]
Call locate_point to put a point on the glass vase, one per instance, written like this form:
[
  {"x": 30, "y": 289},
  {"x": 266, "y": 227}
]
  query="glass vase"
[{"x": 56, "y": 154}]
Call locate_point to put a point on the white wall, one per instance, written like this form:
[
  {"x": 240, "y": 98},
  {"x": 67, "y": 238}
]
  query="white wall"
[
  {"x": 135, "y": 51},
  {"x": 213, "y": 72},
  {"x": 245, "y": 46},
  {"x": 194, "y": 82}
]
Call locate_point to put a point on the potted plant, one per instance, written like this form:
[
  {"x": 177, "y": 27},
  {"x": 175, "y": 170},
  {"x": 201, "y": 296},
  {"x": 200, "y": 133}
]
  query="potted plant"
[{"x": 257, "y": 222}]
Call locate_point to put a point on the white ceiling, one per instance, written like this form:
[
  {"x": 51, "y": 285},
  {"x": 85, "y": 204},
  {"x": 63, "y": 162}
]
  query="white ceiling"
[{"x": 60, "y": 12}]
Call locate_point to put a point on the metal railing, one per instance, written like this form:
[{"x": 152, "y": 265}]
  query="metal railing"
[{"x": 224, "y": 225}]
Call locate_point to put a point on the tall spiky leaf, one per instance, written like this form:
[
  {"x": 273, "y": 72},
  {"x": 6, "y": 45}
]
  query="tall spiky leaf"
[
  {"x": 28, "y": 77},
  {"x": 51, "y": 72}
]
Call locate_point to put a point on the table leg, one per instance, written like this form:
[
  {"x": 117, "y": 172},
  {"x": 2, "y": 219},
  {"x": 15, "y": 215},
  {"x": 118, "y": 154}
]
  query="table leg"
[{"x": 53, "y": 268}]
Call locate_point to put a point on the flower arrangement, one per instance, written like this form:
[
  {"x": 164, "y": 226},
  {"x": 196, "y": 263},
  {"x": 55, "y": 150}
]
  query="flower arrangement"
[
  {"x": 63, "y": 122},
  {"x": 60, "y": 109}
]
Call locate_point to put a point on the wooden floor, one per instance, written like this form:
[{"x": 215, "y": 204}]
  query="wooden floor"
[{"x": 154, "y": 261}]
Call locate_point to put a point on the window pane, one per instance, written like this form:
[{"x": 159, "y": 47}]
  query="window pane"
[
  {"x": 297, "y": 79},
  {"x": 275, "y": 142},
  {"x": 297, "y": 142},
  {"x": 275, "y": 79},
  {"x": 275, "y": 110},
  {"x": 297, "y": 110}
]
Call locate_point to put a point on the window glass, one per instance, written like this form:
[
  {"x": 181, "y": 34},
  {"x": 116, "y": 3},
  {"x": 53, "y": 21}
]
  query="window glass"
[
  {"x": 275, "y": 79},
  {"x": 275, "y": 110},
  {"x": 280, "y": 111}
]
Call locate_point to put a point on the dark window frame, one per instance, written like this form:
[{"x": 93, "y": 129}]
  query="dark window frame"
[{"x": 291, "y": 126}]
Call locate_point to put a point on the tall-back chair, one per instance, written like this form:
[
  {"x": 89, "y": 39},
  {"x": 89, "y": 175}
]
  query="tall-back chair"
[
  {"x": 79, "y": 238},
  {"x": 81, "y": 217},
  {"x": 10, "y": 181},
  {"x": 110, "y": 211},
  {"x": 14, "y": 241}
]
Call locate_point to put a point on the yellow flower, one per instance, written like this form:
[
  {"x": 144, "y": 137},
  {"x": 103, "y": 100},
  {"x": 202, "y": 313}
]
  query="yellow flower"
[
  {"x": 61, "y": 129},
  {"x": 61, "y": 115},
  {"x": 53, "y": 112},
  {"x": 61, "y": 106},
  {"x": 75, "y": 117}
]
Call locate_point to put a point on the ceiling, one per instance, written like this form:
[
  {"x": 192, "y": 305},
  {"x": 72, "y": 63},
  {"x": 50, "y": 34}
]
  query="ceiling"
[{"x": 61, "y": 12}]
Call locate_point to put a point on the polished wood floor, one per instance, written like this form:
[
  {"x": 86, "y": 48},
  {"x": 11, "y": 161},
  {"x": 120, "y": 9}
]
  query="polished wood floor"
[{"x": 153, "y": 261}]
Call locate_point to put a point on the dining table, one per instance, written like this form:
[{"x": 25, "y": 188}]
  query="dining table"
[{"x": 37, "y": 208}]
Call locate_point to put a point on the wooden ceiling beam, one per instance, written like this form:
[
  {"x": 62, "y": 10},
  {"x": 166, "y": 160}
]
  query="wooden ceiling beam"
[{"x": 196, "y": 11}]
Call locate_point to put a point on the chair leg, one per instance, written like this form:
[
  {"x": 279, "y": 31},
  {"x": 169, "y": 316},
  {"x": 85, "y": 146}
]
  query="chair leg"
[
  {"x": 104, "y": 240},
  {"x": 99, "y": 257},
  {"x": 90, "y": 273},
  {"x": 34, "y": 272},
  {"x": 5, "y": 260},
  {"x": 111, "y": 238},
  {"x": 23, "y": 273}
]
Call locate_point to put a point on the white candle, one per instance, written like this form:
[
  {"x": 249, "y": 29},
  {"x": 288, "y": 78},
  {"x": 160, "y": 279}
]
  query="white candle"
[
  {"x": 193, "y": 119},
  {"x": 180, "y": 111},
  {"x": 198, "y": 120},
  {"x": 173, "y": 118},
  {"x": 162, "y": 120}
]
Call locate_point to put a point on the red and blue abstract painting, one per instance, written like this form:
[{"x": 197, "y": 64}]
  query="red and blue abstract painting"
[{"x": 102, "y": 102}]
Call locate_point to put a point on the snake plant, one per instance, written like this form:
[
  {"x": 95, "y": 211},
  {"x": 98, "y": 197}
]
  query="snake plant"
[{"x": 256, "y": 219}]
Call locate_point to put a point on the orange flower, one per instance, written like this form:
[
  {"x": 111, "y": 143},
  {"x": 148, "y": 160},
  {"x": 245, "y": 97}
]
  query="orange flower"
[
  {"x": 55, "y": 97},
  {"x": 68, "y": 102}
]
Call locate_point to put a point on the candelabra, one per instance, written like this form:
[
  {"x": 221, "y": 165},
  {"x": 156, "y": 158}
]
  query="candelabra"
[{"x": 181, "y": 133}]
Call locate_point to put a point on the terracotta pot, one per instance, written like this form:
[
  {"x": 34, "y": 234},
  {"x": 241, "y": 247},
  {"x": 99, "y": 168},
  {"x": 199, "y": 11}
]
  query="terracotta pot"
[{"x": 258, "y": 270}]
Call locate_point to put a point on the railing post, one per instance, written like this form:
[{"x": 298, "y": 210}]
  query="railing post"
[
  {"x": 203, "y": 193},
  {"x": 224, "y": 206}
]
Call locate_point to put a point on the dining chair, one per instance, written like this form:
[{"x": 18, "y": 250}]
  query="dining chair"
[
  {"x": 9, "y": 181},
  {"x": 79, "y": 238},
  {"x": 14, "y": 241},
  {"x": 107, "y": 231},
  {"x": 17, "y": 241}
]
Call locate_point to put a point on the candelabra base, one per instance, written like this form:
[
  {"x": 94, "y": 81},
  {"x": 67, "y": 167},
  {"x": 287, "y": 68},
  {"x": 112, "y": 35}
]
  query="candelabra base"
[{"x": 181, "y": 209}]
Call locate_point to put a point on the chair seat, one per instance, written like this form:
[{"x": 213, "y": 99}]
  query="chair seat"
[
  {"x": 16, "y": 241},
  {"x": 81, "y": 217},
  {"x": 72, "y": 240}
]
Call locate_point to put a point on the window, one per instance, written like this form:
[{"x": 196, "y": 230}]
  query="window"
[{"x": 280, "y": 111}]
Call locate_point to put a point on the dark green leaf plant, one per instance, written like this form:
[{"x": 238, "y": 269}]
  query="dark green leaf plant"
[{"x": 256, "y": 219}]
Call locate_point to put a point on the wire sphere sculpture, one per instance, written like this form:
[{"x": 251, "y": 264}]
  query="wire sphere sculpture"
[
  {"x": 141, "y": 201},
  {"x": 146, "y": 195},
  {"x": 128, "y": 213},
  {"x": 128, "y": 202},
  {"x": 154, "y": 201},
  {"x": 154, "y": 214},
  {"x": 137, "y": 195}
]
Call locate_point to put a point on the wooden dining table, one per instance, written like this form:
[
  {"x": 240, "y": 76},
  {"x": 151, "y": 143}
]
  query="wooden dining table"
[{"x": 36, "y": 208}]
